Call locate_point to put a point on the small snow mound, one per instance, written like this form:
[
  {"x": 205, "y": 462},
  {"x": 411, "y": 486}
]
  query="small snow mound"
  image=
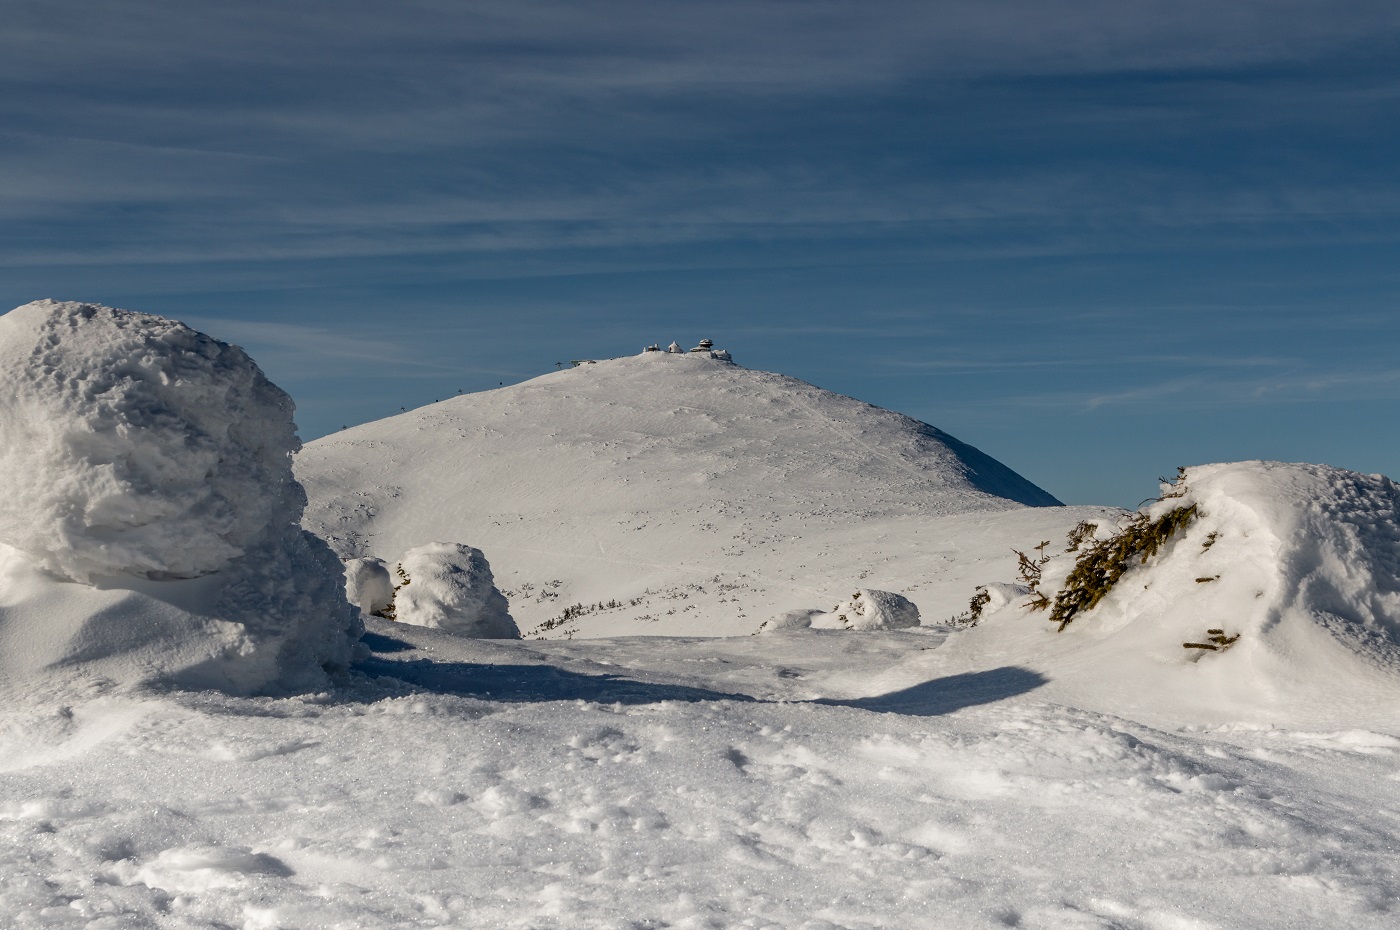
[
  {"x": 789, "y": 620},
  {"x": 1000, "y": 594},
  {"x": 449, "y": 586},
  {"x": 869, "y": 609},
  {"x": 197, "y": 869},
  {"x": 134, "y": 444},
  {"x": 368, "y": 585}
]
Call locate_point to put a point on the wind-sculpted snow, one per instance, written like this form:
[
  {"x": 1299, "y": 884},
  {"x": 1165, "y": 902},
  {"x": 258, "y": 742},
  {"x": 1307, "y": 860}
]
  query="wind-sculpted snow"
[
  {"x": 1282, "y": 590},
  {"x": 648, "y": 494},
  {"x": 368, "y": 585},
  {"x": 135, "y": 445},
  {"x": 449, "y": 587},
  {"x": 152, "y": 465}
]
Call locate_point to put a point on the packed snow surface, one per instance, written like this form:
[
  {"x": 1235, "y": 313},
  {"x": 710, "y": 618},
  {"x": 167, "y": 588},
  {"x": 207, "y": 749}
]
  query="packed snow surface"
[
  {"x": 676, "y": 494},
  {"x": 149, "y": 525},
  {"x": 817, "y": 779}
]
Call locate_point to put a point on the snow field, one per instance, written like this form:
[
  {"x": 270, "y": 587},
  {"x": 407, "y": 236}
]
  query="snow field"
[{"x": 678, "y": 783}]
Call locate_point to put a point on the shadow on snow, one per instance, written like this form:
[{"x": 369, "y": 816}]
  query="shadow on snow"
[
  {"x": 953, "y": 692},
  {"x": 536, "y": 683}
]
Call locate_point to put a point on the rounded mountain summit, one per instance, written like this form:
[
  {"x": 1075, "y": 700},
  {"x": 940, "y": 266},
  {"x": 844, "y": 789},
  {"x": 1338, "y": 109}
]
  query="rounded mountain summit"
[{"x": 617, "y": 480}]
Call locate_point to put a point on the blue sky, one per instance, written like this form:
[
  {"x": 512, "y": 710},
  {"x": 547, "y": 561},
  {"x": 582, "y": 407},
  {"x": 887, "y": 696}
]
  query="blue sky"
[{"x": 1096, "y": 239}]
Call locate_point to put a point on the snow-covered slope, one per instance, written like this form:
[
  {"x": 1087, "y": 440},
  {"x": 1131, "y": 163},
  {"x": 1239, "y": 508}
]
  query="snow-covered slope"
[
  {"x": 1278, "y": 598},
  {"x": 698, "y": 496}
]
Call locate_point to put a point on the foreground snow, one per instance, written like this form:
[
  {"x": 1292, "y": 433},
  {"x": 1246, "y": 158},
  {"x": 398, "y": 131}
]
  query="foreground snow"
[{"x": 772, "y": 781}]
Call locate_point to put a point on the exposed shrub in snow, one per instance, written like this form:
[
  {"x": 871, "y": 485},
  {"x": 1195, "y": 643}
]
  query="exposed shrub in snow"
[
  {"x": 1083, "y": 532},
  {"x": 134, "y": 444},
  {"x": 368, "y": 585},
  {"x": 987, "y": 599},
  {"x": 1216, "y": 641},
  {"x": 1292, "y": 571},
  {"x": 1098, "y": 569},
  {"x": 869, "y": 609},
  {"x": 152, "y": 464},
  {"x": 979, "y": 601},
  {"x": 449, "y": 586},
  {"x": 1029, "y": 571}
]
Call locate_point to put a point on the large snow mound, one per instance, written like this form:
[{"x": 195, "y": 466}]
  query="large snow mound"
[
  {"x": 1281, "y": 589},
  {"x": 674, "y": 494},
  {"x": 152, "y": 464},
  {"x": 134, "y": 444}
]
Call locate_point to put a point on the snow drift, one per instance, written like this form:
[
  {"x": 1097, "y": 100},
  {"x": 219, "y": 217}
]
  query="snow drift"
[
  {"x": 151, "y": 464},
  {"x": 865, "y": 610},
  {"x": 1281, "y": 588}
]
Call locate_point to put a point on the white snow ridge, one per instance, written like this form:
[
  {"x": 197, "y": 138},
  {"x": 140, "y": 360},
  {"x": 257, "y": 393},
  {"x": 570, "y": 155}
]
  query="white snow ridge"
[{"x": 152, "y": 465}]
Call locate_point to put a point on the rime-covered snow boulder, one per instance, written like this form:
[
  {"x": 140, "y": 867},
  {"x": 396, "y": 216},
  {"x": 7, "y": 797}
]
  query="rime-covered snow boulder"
[
  {"x": 368, "y": 584},
  {"x": 135, "y": 445},
  {"x": 449, "y": 587},
  {"x": 868, "y": 609},
  {"x": 151, "y": 464}
]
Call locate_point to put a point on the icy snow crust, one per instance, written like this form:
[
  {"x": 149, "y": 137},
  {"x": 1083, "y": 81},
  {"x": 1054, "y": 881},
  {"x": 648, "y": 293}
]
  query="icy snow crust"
[
  {"x": 696, "y": 496},
  {"x": 152, "y": 465}
]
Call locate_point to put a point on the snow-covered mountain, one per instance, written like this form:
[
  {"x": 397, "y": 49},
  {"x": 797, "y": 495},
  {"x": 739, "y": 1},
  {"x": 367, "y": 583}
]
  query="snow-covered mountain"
[
  {"x": 191, "y": 737},
  {"x": 698, "y": 496}
]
